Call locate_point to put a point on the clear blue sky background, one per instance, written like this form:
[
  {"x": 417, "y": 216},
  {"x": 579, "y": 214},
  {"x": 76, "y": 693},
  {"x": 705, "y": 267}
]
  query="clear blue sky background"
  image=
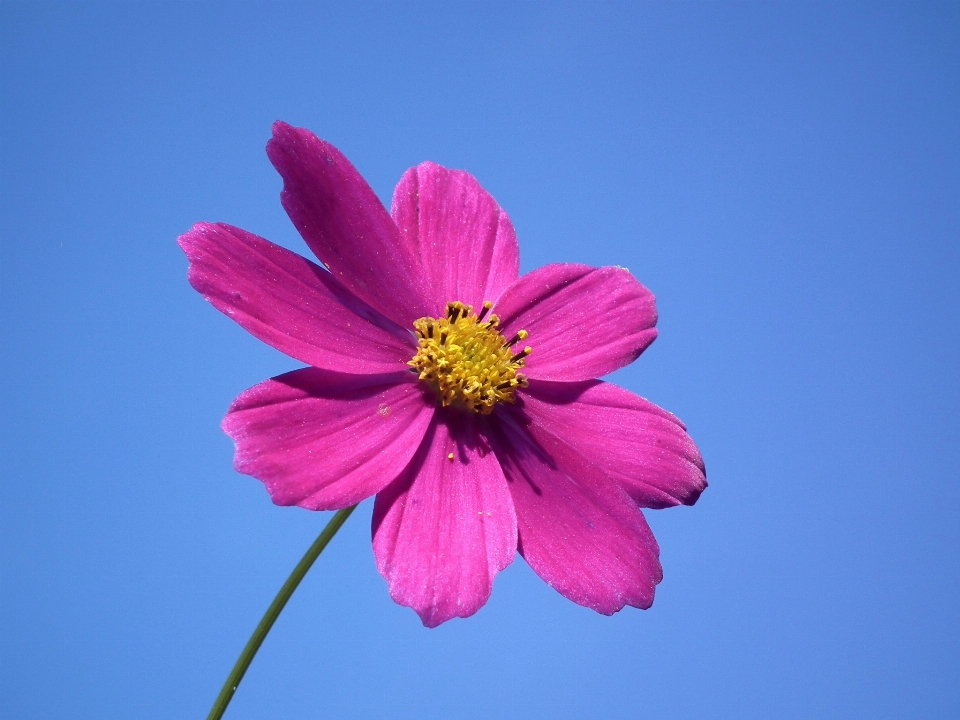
[{"x": 785, "y": 178}]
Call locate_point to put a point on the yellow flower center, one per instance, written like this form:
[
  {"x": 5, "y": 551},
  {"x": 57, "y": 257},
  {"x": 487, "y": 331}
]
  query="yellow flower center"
[{"x": 467, "y": 360}]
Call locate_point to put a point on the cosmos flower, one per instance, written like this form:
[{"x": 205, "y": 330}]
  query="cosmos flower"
[{"x": 459, "y": 393}]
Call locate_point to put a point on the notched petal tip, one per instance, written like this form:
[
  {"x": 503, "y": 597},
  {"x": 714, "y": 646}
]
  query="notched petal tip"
[
  {"x": 323, "y": 440},
  {"x": 578, "y": 530},
  {"x": 445, "y": 528},
  {"x": 298, "y": 143},
  {"x": 280, "y": 126},
  {"x": 344, "y": 223},
  {"x": 642, "y": 447},
  {"x": 290, "y": 303},
  {"x": 584, "y": 322},
  {"x": 465, "y": 241},
  {"x": 188, "y": 240}
]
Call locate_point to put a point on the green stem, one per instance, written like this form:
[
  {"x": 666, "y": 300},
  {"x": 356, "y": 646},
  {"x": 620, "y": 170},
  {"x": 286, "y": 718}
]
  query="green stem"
[{"x": 270, "y": 617}]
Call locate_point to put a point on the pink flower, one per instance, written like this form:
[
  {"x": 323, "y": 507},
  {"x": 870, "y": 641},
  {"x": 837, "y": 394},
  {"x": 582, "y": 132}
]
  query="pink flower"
[{"x": 458, "y": 393}]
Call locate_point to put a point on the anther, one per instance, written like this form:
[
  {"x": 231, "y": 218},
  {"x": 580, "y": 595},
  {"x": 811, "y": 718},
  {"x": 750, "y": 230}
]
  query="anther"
[
  {"x": 522, "y": 335},
  {"x": 453, "y": 310},
  {"x": 486, "y": 308}
]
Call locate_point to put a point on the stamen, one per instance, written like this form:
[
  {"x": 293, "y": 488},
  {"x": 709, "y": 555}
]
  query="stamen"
[
  {"x": 522, "y": 335},
  {"x": 523, "y": 353},
  {"x": 486, "y": 308}
]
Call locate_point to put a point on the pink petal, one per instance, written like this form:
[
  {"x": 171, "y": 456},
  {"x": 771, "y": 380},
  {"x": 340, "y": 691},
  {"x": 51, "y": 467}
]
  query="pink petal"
[
  {"x": 345, "y": 224},
  {"x": 640, "y": 446},
  {"x": 325, "y": 441},
  {"x": 445, "y": 528},
  {"x": 578, "y": 530},
  {"x": 465, "y": 242},
  {"x": 291, "y": 303},
  {"x": 583, "y": 322}
]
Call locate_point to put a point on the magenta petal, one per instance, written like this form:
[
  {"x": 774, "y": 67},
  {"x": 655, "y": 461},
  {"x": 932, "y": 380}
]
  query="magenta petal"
[
  {"x": 578, "y": 530},
  {"x": 446, "y": 527},
  {"x": 323, "y": 440},
  {"x": 583, "y": 322},
  {"x": 465, "y": 242},
  {"x": 291, "y": 303},
  {"x": 639, "y": 445},
  {"x": 345, "y": 224}
]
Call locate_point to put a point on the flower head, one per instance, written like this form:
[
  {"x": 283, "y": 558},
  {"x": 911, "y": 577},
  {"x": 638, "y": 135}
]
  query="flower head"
[
  {"x": 466, "y": 359},
  {"x": 459, "y": 393}
]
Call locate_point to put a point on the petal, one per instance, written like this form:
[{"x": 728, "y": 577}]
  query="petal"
[
  {"x": 583, "y": 322},
  {"x": 291, "y": 303},
  {"x": 446, "y": 527},
  {"x": 645, "y": 449},
  {"x": 578, "y": 530},
  {"x": 326, "y": 441},
  {"x": 466, "y": 243},
  {"x": 345, "y": 224}
]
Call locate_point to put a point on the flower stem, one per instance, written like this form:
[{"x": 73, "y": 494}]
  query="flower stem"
[{"x": 270, "y": 617}]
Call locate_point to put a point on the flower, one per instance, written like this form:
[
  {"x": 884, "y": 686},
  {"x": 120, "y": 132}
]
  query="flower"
[{"x": 460, "y": 394}]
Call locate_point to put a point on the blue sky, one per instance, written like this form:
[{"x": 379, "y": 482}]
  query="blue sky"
[{"x": 784, "y": 177}]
